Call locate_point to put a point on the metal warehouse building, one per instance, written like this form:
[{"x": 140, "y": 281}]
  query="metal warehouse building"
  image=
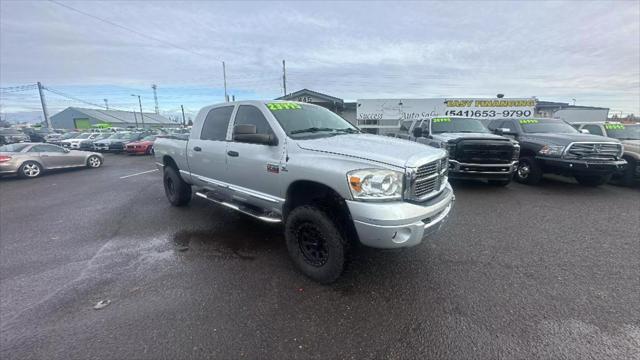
[{"x": 81, "y": 118}]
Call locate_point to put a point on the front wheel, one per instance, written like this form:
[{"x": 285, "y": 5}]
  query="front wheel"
[
  {"x": 315, "y": 244},
  {"x": 528, "y": 171},
  {"x": 592, "y": 180},
  {"x": 30, "y": 169},
  {"x": 177, "y": 190},
  {"x": 94, "y": 161}
]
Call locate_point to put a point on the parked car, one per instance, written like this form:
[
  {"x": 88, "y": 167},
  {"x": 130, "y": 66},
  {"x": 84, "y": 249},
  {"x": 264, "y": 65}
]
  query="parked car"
[
  {"x": 10, "y": 136},
  {"x": 30, "y": 160},
  {"x": 57, "y": 139},
  {"x": 37, "y": 134},
  {"x": 303, "y": 165},
  {"x": 629, "y": 135},
  {"x": 77, "y": 142},
  {"x": 143, "y": 146},
  {"x": 117, "y": 141},
  {"x": 554, "y": 146},
  {"x": 474, "y": 152},
  {"x": 88, "y": 144}
]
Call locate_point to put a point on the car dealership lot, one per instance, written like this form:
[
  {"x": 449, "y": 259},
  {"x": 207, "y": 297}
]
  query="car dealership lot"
[{"x": 519, "y": 272}]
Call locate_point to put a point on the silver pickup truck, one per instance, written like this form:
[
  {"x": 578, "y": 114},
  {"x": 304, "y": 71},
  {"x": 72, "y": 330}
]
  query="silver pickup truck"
[{"x": 305, "y": 166}]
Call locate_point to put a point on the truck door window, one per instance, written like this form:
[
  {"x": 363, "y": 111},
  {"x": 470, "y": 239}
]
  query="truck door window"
[
  {"x": 251, "y": 115},
  {"x": 405, "y": 126},
  {"x": 508, "y": 124},
  {"x": 593, "y": 129},
  {"x": 216, "y": 124}
]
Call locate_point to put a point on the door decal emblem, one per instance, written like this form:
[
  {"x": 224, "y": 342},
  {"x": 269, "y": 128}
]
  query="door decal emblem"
[{"x": 273, "y": 168}]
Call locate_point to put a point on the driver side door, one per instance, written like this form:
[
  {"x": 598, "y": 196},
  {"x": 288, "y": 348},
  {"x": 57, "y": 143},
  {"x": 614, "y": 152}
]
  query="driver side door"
[{"x": 53, "y": 156}]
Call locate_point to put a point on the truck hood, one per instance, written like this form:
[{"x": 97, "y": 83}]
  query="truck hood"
[
  {"x": 565, "y": 139},
  {"x": 382, "y": 149},
  {"x": 631, "y": 146},
  {"x": 445, "y": 137}
]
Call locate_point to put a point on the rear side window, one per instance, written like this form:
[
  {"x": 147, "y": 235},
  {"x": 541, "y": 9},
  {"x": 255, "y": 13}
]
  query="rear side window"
[
  {"x": 46, "y": 148},
  {"x": 251, "y": 115},
  {"x": 216, "y": 124}
]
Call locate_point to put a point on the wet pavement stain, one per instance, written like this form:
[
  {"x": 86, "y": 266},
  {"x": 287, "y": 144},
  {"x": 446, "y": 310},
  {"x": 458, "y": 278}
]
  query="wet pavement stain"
[{"x": 230, "y": 241}]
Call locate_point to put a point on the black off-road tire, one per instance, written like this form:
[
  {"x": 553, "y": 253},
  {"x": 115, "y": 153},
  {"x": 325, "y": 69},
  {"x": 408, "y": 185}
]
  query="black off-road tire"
[
  {"x": 309, "y": 231},
  {"x": 499, "y": 182},
  {"x": 178, "y": 192},
  {"x": 592, "y": 180},
  {"x": 534, "y": 173}
]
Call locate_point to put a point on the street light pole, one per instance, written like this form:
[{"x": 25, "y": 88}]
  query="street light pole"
[{"x": 141, "y": 114}]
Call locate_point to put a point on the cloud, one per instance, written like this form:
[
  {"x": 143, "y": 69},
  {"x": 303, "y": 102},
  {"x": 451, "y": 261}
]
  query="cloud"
[{"x": 553, "y": 50}]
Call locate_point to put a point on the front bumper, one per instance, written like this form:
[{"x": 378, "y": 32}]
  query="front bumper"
[
  {"x": 581, "y": 167},
  {"x": 458, "y": 170},
  {"x": 389, "y": 225}
]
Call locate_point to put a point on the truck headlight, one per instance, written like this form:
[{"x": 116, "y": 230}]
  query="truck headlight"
[
  {"x": 375, "y": 184},
  {"x": 551, "y": 150}
]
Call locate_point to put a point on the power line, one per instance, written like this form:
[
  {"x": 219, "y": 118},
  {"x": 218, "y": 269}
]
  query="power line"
[
  {"x": 58, "y": 92},
  {"x": 130, "y": 29}
]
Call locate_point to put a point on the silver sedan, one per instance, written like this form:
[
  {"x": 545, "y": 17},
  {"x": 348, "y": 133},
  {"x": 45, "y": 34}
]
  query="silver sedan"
[{"x": 29, "y": 160}]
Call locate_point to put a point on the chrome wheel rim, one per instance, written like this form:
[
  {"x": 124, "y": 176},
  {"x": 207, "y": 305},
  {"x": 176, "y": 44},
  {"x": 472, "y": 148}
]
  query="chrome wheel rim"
[
  {"x": 94, "y": 161},
  {"x": 31, "y": 170},
  {"x": 523, "y": 170}
]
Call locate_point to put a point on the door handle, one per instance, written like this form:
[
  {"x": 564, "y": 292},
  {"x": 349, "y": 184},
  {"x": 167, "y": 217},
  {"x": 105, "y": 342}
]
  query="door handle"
[
  {"x": 197, "y": 148},
  {"x": 232, "y": 153},
  {"x": 44, "y": 155}
]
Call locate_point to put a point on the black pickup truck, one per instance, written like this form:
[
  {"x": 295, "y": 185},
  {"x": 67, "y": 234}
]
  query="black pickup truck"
[
  {"x": 474, "y": 152},
  {"x": 554, "y": 146}
]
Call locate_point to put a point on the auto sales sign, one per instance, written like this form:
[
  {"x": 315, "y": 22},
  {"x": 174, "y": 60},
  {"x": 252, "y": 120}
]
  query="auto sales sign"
[{"x": 417, "y": 109}]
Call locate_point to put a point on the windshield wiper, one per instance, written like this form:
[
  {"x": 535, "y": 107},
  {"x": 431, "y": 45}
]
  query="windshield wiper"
[
  {"x": 310, "y": 130},
  {"x": 348, "y": 130}
]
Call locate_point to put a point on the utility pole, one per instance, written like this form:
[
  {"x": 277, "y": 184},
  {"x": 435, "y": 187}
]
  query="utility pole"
[
  {"x": 43, "y": 101},
  {"x": 284, "y": 79},
  {"x": 233, "y": 98},
  {"x": 106, "y": 103},
  {"x": 135, "y": 117},
  {"x": 224, "y": 77},
  {"x": 141, "y": 114},
  {"x": 155, "y": 97},
  {"x": 184, "y": 123}
]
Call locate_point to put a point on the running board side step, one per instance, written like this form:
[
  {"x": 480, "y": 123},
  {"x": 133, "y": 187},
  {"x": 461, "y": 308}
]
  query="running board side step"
[{"x": 242, "y": 209}]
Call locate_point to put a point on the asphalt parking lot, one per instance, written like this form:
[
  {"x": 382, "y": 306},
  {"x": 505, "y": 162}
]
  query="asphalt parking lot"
[{"x": 549, "y": 272}]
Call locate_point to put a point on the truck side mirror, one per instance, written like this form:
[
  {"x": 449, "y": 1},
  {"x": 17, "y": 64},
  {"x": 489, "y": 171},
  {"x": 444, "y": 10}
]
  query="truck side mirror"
[
  {"x": 247, "y": 134},
  {"x": 585, "y": 131},
  {"x": 417, "y": 132}
]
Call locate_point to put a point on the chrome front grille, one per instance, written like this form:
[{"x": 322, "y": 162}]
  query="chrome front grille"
[
  {"x": 428, "y": 179},
  {"x": 603, "y": 151}
]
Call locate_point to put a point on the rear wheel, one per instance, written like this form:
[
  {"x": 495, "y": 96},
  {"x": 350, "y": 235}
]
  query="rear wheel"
[
  {"x": 30, "y": 169},
  {"x": 315, "y": 244},
  {"x": 177, "y": 190},
  {"x": 529, "y": 171},
  {"x": 94, "y": 161},
  {"x": 592, "y": 180}
]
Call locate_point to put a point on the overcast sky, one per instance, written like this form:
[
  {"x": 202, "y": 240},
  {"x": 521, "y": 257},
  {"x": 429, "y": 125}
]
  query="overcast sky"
[{"x": 588, "y": 51}]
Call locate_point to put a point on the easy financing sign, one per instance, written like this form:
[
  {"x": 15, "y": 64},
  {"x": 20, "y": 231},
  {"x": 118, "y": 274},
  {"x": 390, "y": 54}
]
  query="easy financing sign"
[{"x": 418, "y": 109}]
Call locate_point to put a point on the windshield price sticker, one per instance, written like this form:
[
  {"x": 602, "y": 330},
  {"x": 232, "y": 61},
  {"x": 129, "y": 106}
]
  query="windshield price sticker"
[
  {"x": 440, "y": 120},
  {"x": 283, "y": 106},
  {"x": 614, "y": 126},
  {"x": 528, "y": 121}
]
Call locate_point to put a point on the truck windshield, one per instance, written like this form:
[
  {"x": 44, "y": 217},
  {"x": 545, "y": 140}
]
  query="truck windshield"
[
  {"x": 457, "y": 125},
  {"x": 554, "y": 126},
  {"x": 623, "y": 132},
  {"x": 305, "y": 120}
]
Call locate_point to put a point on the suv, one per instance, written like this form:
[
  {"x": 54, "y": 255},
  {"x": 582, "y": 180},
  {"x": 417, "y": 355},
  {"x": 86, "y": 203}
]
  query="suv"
[
  {"x": 629, "y": 135},
  {"x": 474, "y": 153},
  {"x": 554, "y": 146},
  {"x": 303, "y": 165}
]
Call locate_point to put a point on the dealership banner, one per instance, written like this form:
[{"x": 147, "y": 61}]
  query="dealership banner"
[{"x": 418, "y": 109}]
